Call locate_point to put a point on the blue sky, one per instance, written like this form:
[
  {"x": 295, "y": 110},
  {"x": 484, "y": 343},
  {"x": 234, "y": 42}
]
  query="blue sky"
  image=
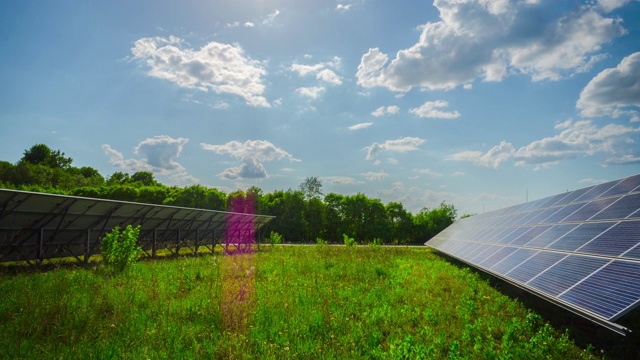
[{"x": 479, "y": 103}]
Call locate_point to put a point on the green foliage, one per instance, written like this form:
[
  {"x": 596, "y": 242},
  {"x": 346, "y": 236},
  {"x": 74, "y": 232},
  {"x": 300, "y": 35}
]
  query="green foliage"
[
  {"x": 375, "y": 243},
  {"x": 321, "y": 242},
  {"x": 349, "y": 241},
  {"x": 311, "y": 188},
  {"x": 120, "y": 249},
  {"x": 275, "y": 238},
  {"x": 428, "y": 223},
  {"x": 310, "y": 303}
]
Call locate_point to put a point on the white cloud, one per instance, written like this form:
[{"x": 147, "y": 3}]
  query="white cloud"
[
  {"x": 374, "y": 176},
  {"x": 360, "y": 126},
  {"x": 613, "y": 90},
  {"x": 610, "y": 5},
  {"x": 329, "y": 76},
  {"x": 157, "y": 154},
  {"x": 343, "y": 7},
  {"x": 271, "y": 18},
  {"x": 252, "y": 153},
  {"x": 217, "y": 67},
  {"x": 382, "y": 110},
  {"x": 248, "y": 24},
  {"x": 324, "y": 71},
  {"x": 582, "y": 138},
  {"x": 399, "y": 145},
  {"x": 313, "y": 92},
  {"x": 430, "y": 110},
  {"x": 341, "y": 180},
  {"x": 428, "y": 172},
  {"x": 617, "y": 144},
  {"x": 489, "y": 40}
]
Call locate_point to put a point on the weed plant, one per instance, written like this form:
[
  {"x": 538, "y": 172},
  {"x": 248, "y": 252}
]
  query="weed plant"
[{"x": 321, "y": 302}]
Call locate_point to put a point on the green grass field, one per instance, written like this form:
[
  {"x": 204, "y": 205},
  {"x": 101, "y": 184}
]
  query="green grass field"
[{"x": 284, "y": 303}]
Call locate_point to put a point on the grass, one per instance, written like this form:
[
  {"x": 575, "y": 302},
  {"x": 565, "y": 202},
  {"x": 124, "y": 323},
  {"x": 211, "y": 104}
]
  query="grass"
[{"x": 287, "y": 303}]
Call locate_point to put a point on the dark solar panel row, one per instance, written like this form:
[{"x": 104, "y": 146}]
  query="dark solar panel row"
[{"x": 581, "y": 249}]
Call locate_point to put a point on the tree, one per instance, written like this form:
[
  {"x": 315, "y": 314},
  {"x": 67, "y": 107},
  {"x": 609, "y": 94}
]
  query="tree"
[
  {"x": 118, "y": 178},
  {"x": 311, "y": 188},
  {"x": 144, "y": 177},
  {"x": 428, "y": 223},
  {"x": 333, "y": 221},
  {"x": 400, "y": 223},
  {"x": 43, "y": 155}
]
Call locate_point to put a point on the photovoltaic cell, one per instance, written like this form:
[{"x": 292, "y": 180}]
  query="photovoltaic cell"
[
  {"x": 580, "y": 249},
  {"x": 551, "y": 235},
  {"x": 620, "y": 209},
  {"x": 608, "y": 292},
  {"x": 589, "y": 210},
  {"x": 615, "y": 241},
  {"x": 566, "y": 273},
  {"x": 625, "y": 186},
  {"x": 580, "y": 236},
  {"x": 534, "y": 266}
]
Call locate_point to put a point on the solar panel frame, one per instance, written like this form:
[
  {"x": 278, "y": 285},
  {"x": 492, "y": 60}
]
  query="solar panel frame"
[{"x": 560, "y": 246}]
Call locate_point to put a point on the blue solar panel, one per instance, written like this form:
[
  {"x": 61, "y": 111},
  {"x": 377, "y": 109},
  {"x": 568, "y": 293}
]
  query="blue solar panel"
[
  {"x": 566, "y": 273},
  {"x": 513, "y": 260},
  {"x": 620, "y": 209},
  {"x": 551, "y": 235},
  {"x": 615, "y": 241},
  {"x": 580, "y": 248},
  {"x": 625, "y": 186},
  {"x": 609, "y": 292},
  {"x": 580, "y": 236},
  {"x": 589, "y": 210},
  {"x": 534, "y": 266}
]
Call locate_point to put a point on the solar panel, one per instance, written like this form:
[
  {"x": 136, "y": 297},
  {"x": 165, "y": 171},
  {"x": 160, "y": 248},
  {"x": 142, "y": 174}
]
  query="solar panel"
[
  {"x": 579, "y": 250},
  {"x": 37, "y": 226}
]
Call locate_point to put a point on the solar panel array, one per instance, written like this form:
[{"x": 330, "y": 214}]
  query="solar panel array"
[
  {"x": 37, "y": 226},
  {"x": 579, "y": 249}
]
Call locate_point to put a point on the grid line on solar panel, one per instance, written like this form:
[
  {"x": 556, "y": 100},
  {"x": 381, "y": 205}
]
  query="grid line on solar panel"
[
  {"x": 492, "y": 249},
  {"x": 595, "y": 191},
  {"x": 572, "y": 196},
  {"x": 624, "y": 206},
  {"x": 510, "y": 262},
  {"x": 589, "y": 209},
  {"x": 580, "y": 236},
  {"x": 633, "y": 253},
  {"x": 627, "y": 185},
  {"x": 534, "y": 265},
  {"x": 529, "y": 235},
  {"x": 554, "y": 233},
  {"x": 566, "y": 273},
  {"x": 497, "y": 256},
  {"x": 608, "y": 292},
  {"x": 615, "y": 241},
  {"x": 563, "y": 213}
]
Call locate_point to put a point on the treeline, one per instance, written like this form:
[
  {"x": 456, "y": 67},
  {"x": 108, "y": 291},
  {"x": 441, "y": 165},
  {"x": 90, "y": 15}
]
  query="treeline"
[{"x": 303, "y": 215}]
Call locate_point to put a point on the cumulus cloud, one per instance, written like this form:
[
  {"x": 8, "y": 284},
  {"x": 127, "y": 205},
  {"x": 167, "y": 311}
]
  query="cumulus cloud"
[
  {"x": 431, "y": 109},
  {"x": 383, "y": 110},
  {"x": 157, "y": 154},
  {"x": 217, "y": 67},
  {"x": 360, "y": 126},
  {"x": 375, "y": 176},
  {"x": 613, "y": 91},
  {"x": 610, "y": 5},
  {"x": 323, "y": 71},
  {"x": 252, "y": 153},
  {"x": 341, "y": 180},
  {"x": 617, "y": 144},
  {"x": 271, "y": 18},
  {"x": 399, "y": 145},
  {"x": 489, "y": 40},
  {"x": 343, "y": 7},
  {"x": 313, "y": 92}
]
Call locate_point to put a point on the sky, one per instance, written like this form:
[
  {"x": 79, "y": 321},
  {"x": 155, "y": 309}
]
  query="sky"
[{"x": 481, "y": 104}]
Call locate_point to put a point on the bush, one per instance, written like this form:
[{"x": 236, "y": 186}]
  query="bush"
[
  {"x": 321, "y": 241},
  {"x": 349, "y": 241},
  {"x": 119, "y": 249},
  {"x": 275, "y": 238}
]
